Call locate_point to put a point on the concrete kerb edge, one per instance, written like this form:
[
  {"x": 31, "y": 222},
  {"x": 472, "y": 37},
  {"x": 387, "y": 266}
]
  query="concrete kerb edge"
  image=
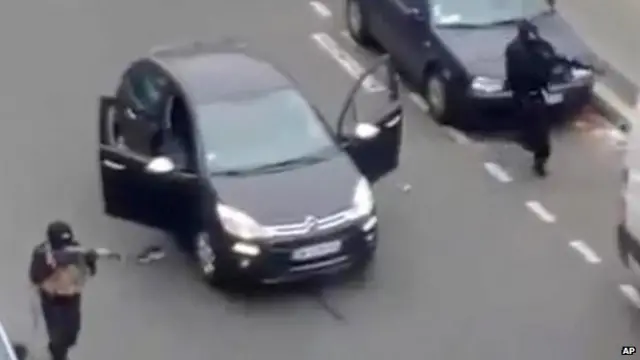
[{"x": 615, "y": 109}]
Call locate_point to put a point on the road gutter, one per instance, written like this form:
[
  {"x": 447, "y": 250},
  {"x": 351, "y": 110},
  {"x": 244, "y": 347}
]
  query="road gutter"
[{"x": 617, "y": 111}]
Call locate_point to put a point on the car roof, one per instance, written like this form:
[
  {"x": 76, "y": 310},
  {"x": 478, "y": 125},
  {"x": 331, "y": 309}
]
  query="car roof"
[{"x": 219, "y": 71}]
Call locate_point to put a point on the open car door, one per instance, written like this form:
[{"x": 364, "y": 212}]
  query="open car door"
[
  {"x": 127, "y": 189},
  {"x": 374, "y": 142}
]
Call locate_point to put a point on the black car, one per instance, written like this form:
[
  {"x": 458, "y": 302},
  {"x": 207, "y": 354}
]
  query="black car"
[
  {"x": 212, "y": 143},
  {"x": 453, "y": 51}
]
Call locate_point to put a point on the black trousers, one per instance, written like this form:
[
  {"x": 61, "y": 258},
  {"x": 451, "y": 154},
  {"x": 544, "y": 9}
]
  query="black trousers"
[
  {"x": 62, "y": 318},
  {"x": 535, "y": 127}
]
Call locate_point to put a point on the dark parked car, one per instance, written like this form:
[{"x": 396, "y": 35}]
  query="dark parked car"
[
  {"x": 453, "y": 51},
  {"x": 214, "y": 144}
]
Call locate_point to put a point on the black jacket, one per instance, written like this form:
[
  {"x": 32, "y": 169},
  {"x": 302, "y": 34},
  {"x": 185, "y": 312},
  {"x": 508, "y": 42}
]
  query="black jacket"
[{"x": 529, "y": 65}]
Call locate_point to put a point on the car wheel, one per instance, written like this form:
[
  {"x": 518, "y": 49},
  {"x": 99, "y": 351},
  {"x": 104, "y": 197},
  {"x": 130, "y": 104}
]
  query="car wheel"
[
  {"x": 207, "y": 259},
  {"x": 356, "y": 23},
  {"x": 624, "y": 255},
  {"x": 436, "y": 95},
  {"x": 633, "y": 265}
]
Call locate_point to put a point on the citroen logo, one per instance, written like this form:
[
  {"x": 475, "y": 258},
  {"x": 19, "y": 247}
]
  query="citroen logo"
[{"x": 311, "y": 222}]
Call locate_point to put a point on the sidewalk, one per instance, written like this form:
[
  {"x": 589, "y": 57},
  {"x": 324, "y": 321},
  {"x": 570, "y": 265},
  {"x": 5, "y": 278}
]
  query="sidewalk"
[{"x": 611, "y": 30}]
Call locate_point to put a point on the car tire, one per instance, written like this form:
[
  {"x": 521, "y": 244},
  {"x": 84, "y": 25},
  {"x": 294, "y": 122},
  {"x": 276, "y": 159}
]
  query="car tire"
[
  {"x": 623, "y": 253},
  {"x": 436, "y": 94},
  {"x": 207, "y": 259},
  {"x": 357, "y": 24}
]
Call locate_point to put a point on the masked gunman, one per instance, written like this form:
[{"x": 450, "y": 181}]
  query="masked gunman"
[
  {"x": 529, "y": 63},
  {"x": 59, "y": 275}
]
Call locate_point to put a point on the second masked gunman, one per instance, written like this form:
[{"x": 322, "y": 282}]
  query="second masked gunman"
[
  {"x": 529, "y": 63},
  {"x": 59, "y": 275}
]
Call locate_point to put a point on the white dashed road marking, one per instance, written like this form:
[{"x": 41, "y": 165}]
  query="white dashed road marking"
[
  {"x": 631, "y": 293},
  {"x": 419, "y": 101},
  {"x": 589, "y": 255},
  {"x": 346, "y": 61},
  {"x": 540, "y": 211},
  {"x": 321, "y": 9},
  {"x": 497, "y": 172},
  {"x": 345, "y": 34},
  {"x": 457, "y": 135}
]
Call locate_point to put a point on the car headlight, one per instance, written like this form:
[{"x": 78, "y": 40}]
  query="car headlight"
[
  {"x": 362, "y": 202},
  {"x": 579, "y": 74},
  {"x": 239, "y": 224},
  {"x": 485, "y": 84}
]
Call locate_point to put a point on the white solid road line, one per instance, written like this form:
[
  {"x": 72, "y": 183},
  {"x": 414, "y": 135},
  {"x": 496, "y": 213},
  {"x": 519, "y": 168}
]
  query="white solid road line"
[
  {"x": 631, "y": 293},
  {"x": 497, "y": 172},
  {"x": 346, "y": 61},
  {"x": 589, "y": 255},
  {"x": 321, "y": 9},
  {"x": 540, "y": 211}
]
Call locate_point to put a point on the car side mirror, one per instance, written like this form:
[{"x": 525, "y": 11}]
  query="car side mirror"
[
  {"x": 160, "y": 165},
  {"x": 366, "y": 131},
  {"x": 21, "y": 351}
]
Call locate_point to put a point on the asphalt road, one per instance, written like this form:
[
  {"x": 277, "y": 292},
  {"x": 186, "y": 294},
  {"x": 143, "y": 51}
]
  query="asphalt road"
[
  {"x": 610, "y": 29},
  {"x": 465, "y": 270}
]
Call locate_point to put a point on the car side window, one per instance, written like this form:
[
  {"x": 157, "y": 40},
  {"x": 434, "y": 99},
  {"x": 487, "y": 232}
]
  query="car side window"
[
  {"x": 146, "y": 87},
  {"x": 175, "y": 140},
  {"x": 144, "y": 90}
]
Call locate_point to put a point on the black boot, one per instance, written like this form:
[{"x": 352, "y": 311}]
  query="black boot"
[
  {"x": 539, "y": 168},
  {"x": 57, "y": 352}
]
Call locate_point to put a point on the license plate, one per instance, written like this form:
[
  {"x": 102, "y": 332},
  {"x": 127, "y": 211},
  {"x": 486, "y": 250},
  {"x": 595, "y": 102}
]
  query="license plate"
[
  {"x": 553, "y": 99},
  {"x": 316, "y": 251}
]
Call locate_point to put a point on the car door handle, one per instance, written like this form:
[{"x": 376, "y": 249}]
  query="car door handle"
[
  {"x": 393, "y": 122},
  {"x": 416, "y": 14},
  {"x": 113, "y": 165},
  {"x": 130, "y": 113},
  {"x": 406, "y": 10}
]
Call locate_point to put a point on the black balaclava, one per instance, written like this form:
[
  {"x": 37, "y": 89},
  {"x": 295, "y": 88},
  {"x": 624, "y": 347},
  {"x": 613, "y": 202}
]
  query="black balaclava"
[
  {"x": 527, "y": 31},
  {"x": 59, "y": 234}
]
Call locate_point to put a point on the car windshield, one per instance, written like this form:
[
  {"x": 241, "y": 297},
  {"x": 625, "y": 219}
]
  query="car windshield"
[
  {"x": 484, "y": 12},
  {"x": 260, "y": 130}
]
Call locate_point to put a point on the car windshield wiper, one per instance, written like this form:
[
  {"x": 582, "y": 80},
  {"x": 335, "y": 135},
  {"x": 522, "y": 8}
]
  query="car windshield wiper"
[
  {"x": 463, "y": 25},
  {"x": 476, "y": 25},
  {"x": 274, "y": 167},
  {"x": 503, "y": 22}
]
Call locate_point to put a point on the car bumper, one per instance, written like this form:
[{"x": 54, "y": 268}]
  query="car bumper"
[
  {"x": 275, "y": 265},
  {"x": 486, "y": 108}
]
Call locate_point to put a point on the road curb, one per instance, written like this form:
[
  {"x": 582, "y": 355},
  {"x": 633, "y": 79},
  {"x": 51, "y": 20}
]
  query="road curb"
[{"x": 617, "y": 111}]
